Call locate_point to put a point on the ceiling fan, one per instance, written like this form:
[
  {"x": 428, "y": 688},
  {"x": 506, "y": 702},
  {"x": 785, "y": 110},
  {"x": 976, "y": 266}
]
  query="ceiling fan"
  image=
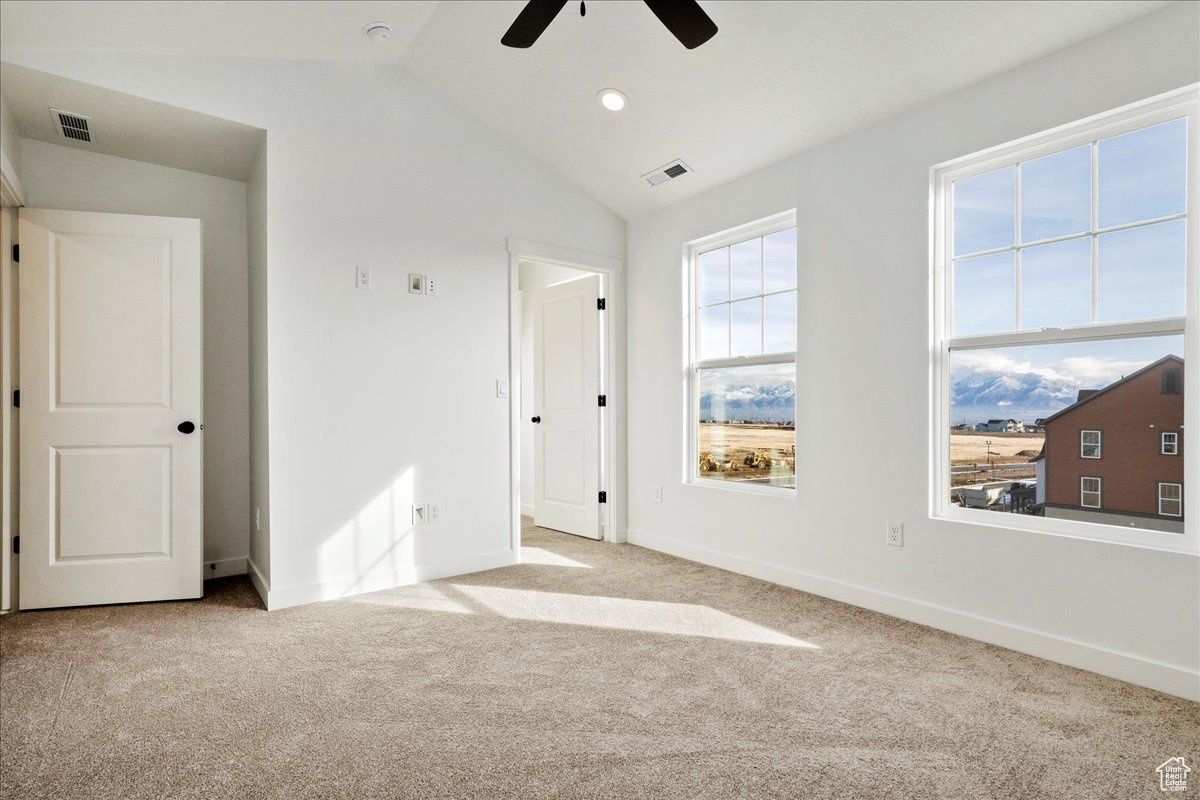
[{"x": 683, "y": 18}]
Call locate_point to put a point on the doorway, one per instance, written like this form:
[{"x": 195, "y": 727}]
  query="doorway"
[{"x": 565, "y": 401}]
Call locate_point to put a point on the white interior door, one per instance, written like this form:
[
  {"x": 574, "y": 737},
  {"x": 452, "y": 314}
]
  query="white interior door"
[
  {"x": 111, "y": 345},
  {"x": 566, "y": 335}
]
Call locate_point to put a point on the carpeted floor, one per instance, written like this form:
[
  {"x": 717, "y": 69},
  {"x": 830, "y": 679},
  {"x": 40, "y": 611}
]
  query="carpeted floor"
[{"x": 593, "y": 671}]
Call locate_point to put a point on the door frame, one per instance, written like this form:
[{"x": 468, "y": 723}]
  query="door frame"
[{"x": 613, "y": 516}]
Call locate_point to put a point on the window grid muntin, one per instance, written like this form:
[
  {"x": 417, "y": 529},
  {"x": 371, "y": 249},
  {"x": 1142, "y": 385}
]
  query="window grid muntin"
[
  {"x": 758, "y": 230},
  {"x": 1171, "y": 105},
  {"x": 951, "y": 258},
  {"x": 1085, "y": 443},
  {"x": 1177, "y": 500},
  {"x": 1085, "y": 491},
  {"x": 1170, "y": 447},
  {"x": 761, "y": 296}
]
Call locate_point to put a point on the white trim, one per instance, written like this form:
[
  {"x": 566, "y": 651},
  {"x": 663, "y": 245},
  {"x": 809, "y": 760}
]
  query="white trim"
[
  {"x": 612, "y": 380},
  {"x": 383, "y": 579},
  {"x": 225, "y": 567},
  {"x": 1098, "y": 444},
  {"x": 1174, "y": 443},
  {"x": 1176, "y": 104},
  {"x": 12, "y": 194},
  {"x": 527, "y": 509},
  {"x": 692, "y": 250},
  {"x": 1098, "y": 491},
  {"x": 1172, "y": 679},
  {"x": 261, "y": 584}
]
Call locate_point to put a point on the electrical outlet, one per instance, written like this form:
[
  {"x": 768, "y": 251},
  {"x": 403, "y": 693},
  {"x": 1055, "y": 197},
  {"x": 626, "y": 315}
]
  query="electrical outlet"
[
  {"x": 362, "y": 277},
  {"x": 895, "y": 534},
  {"x": 658, "y": 494},
  {"x": 419, "y": 515},
  {"x": 431, "y": 284},
  {"x": 257, "y": 519},
  {"x": 433, "y": 512}
]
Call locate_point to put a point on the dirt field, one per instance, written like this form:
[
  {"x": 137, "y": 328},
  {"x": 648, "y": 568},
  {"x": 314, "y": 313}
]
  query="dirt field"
[
  {"x": 730, "y": 445},
  {"x": 972, "y": 448}
]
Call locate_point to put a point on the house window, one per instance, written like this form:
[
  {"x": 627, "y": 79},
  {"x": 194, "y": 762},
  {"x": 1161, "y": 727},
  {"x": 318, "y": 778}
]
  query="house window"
[
  {"x": 1062, "y": 264},
  {"x": 1170, "y": 499},
  {"x": 1170, "y": 444},
  {"x": 742, "y": 373},
  {"x": 1089, "y": 492}
]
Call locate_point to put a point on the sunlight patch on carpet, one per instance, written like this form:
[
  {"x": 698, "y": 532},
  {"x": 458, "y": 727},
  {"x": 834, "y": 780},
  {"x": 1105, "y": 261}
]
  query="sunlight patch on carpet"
[{"x": 680, "y": 619}]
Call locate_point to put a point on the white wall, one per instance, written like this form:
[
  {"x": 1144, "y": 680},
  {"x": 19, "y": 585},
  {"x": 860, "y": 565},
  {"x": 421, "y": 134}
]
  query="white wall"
[
  {"x": 376, "y": 398},
  {"x": 260, "y": 499},
  {"x": 534, "y": 278},
  {"x": 863, "y": 376},
  {"x": 76, "y": 180}
]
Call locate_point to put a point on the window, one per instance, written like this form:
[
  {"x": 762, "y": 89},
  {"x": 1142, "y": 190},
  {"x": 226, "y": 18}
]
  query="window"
[
  {"x": 1170, "y": 444},
  {"x": 1061, "y": 268},
  {"x": 1170, "y": 499},
  {"x": 743, "y": 356}
]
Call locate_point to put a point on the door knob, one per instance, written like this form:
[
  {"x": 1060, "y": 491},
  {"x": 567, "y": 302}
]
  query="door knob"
[
  {"x": 536, "y": 420},
  {"x": 187, "y": 426}
]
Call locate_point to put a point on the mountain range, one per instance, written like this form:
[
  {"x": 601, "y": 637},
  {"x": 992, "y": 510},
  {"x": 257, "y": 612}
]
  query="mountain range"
[
  {"x": 1024, "y": 396},
  {"x": 765, "y": 402}
]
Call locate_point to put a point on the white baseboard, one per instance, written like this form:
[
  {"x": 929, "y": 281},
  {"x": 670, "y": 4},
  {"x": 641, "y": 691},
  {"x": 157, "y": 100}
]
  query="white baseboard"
[
  {"x": 1175, "y": 680},
  {"x": 526, "y": 510},
  {"x": 384, "y": 579},
  {"x": 261, "y": 584},
  {"x": 224, "y": 568}
]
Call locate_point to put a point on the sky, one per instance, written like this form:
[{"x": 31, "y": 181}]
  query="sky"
[{"x": 1141, "y": 271}]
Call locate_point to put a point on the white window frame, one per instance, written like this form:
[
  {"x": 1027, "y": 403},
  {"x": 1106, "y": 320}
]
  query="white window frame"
[
  {"x": 1098, "y": 444},
  {"x": 1172, "y": 105},
  {"x": 1174, "y": 451},
  {"x": 1098, "y": 491},
  {"x": 1179, "y": 500},
  {"x": 691, "y": 252}
]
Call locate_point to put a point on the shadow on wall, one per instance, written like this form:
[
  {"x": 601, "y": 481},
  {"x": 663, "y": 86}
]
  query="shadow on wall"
[{"x": 378, "y": 539}]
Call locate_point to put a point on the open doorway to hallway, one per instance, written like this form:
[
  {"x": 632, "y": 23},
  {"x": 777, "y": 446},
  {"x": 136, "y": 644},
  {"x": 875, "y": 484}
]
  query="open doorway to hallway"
[{"x": 562, "y": 397}]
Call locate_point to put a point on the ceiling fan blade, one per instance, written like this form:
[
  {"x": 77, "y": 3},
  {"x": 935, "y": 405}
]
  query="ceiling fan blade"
[
  {"x": 686, "y": 20},
  {"x": 533, "y": 20}
]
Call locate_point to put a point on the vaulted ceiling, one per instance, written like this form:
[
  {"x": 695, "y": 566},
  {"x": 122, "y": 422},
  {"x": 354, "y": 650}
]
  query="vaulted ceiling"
[{"x": 779, "y": 77}]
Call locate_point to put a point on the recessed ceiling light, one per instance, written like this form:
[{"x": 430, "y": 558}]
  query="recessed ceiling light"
[
  {"x": 378, "y": 31},
  {"x": 612, "y": 99}
]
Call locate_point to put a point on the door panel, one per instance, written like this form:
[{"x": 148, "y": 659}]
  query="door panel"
[
  {"x": 567, "y": 384},
  {"x": 110, "y": 338}
]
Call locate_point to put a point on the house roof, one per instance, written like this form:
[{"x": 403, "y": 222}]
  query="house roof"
[{"x": 1131, "y": 376}]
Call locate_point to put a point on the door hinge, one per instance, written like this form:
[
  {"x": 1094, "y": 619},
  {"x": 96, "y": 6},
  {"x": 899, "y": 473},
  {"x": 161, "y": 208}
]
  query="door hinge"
[
  {"x": 16, "y": 398},
  {"x": 603, "y": 400},
  {"x": 16, "y": 253},
  {"x": 604, "y": 497},
  {"x": 17, "y": 545},
  {"x": 600, "y": 304}
]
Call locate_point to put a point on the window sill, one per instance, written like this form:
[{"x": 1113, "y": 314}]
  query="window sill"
[
  {"x": 1182, "y": 543},
  {"x": 762, "y": 490}
]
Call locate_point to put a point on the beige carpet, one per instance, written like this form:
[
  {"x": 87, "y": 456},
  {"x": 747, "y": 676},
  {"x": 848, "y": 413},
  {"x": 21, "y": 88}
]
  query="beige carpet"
[{"x": 595, "y": 671}]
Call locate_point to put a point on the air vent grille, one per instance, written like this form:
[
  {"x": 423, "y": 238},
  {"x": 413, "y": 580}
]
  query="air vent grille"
[
  {"x": 666, "y": 172},
  {"x": 72, "y": 126}
]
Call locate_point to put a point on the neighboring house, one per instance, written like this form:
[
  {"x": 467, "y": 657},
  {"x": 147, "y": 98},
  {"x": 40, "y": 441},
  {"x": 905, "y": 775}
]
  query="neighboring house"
[
  {"x": 1039, "y": 425},
  {"x": 1119, "y": 451},
  {"x": 1001, "y": 426}
]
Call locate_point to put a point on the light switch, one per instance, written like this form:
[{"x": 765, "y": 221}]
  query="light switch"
[{"x": 501, "y": 388}]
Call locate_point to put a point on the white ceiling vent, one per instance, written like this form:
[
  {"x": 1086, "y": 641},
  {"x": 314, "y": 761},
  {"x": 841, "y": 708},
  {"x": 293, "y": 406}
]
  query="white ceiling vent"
[
  {"x": 70, "y": 125},
  {"x": 667, "y": 172}
]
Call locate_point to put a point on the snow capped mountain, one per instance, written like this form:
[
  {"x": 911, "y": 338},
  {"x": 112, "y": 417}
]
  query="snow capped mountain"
[
  {"x": 1025, "y": 396},
  {"x": 750, "y": 402}
]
